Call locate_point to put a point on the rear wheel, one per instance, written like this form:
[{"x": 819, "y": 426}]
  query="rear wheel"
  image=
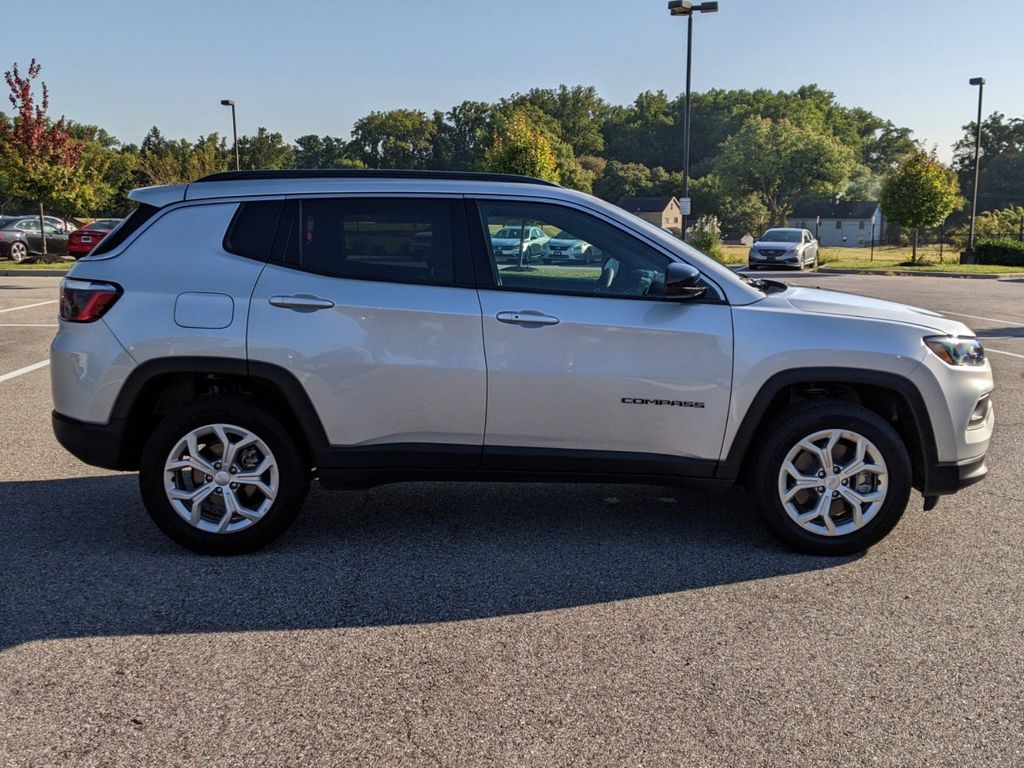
[
  {"x": 832, "y": 478},
  {"x": 222, "y": 476}
]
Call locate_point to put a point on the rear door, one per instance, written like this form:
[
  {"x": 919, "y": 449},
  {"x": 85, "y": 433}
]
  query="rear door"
[
  {"x": 379, "y": 322},
  {"x": 589, "y": 366}
]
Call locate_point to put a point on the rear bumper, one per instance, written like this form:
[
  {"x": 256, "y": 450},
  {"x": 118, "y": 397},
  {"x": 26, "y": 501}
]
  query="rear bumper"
[
  {"x": 949, "y": 477},
  {"x": 101, "y": 445}
]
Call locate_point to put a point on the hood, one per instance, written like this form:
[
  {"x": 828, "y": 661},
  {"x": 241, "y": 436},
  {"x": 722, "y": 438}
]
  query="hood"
[
  {"x": 570, "y": 241},
  {"x": 772, "y": 244},
  {"x": 824, "y": 302}
]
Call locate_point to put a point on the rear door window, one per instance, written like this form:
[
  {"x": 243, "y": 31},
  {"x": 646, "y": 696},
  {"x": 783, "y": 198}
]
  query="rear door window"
[{"x": 385, "y": 239}]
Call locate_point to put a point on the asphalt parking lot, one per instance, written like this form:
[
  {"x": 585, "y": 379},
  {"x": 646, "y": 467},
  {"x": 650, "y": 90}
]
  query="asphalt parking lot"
[{"x": 445, "y": 624}]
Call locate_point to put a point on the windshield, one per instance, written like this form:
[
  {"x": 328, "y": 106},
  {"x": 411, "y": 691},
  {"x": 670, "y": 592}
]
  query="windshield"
[
  {"x": 104, "y": 224},
  {"x": 509, "y": 233},
  {"x": 781, "y": 236},
  {"x": 563, "y": 235}
]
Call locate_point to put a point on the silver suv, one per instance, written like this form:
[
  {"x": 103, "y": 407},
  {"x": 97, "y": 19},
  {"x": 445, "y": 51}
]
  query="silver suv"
[{"x": 239, "y": 336}]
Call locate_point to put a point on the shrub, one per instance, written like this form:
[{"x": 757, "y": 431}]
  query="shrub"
[
  {"x": 706, "y": 237},
  {"x": 1006, "y": 251}
]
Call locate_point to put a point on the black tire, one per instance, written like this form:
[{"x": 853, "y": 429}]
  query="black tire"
[
  {"x": 791, "y": 426},
  {"x": 293, "y": 474}
]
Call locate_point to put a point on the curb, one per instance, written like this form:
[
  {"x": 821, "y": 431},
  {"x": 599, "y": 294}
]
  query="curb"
[
  {"x": 33, "y": 272},
  {"x": 909, "y": 273},
  {"x": 899, "y": 273}
]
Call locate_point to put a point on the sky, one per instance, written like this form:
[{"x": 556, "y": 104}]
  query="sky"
[{"x": 312, "y": 66}]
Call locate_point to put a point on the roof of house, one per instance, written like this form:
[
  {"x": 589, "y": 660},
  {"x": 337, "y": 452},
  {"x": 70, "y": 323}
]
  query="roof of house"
[
  {"x": 829, "y": 209},
  {"x": 645, "y": 204}
]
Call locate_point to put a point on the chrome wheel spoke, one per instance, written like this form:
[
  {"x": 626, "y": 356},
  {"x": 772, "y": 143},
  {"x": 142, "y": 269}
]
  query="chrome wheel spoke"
[
  {"x": 190, "y": 502},
  {"x": 859, "y": 483}
]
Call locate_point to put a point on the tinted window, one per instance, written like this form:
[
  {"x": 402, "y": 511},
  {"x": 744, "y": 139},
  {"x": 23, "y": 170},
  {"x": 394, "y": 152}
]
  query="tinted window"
[
  {"x": 572, "y": 253},
  {"x": 125, "y": 229},
  {"x": 251, "y": 232},
  {"x": 374, "y": 239}
]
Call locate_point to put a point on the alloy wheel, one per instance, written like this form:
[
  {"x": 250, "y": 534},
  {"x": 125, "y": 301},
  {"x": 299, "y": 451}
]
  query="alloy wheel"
[
  {"x": 833, "y": 482},
  {"x": 18, "y": 252},
  {"x": 221, "y": 478}
]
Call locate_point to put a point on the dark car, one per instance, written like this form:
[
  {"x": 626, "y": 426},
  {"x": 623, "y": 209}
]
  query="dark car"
[
  {"x": 83, "y": 240},
  {"x": 20, "y": 239}
]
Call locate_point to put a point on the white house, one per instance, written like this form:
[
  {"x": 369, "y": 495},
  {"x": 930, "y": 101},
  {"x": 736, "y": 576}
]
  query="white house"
[{"x": 844, "y": 223}]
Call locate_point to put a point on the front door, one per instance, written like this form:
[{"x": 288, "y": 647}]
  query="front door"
[
  {"x": 363, "y": 306},
  {"x": 591, "y": 363}
]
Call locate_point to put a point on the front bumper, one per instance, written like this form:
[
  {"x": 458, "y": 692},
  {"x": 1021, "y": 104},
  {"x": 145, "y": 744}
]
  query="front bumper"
[
  {"x": 100, "y": 445},
  {"x": 945, "y": 478}
]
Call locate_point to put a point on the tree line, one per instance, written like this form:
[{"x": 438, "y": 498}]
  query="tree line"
[{"x": 755, "y": 154}]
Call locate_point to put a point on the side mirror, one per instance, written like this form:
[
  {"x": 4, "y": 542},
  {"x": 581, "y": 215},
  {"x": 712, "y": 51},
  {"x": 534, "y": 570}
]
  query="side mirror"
[{"x": 683, "y": 281}]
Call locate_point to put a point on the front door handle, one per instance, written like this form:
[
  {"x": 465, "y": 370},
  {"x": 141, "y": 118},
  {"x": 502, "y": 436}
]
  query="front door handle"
[
  {"x": 302, "y": 302},
  {"x": 527, "y": 317}
]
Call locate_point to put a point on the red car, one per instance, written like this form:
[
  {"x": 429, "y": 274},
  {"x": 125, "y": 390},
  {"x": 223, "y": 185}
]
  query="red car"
[{"x": 83, "y": 240}]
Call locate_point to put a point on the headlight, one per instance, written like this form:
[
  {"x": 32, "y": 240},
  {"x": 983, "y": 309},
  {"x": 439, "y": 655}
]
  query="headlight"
[{"x": 954, "y": 350}]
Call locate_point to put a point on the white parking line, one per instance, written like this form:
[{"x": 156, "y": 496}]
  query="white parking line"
[
  {"x": 29, "y": 325},
  {"x": 979, "y": 317},
  {"x": 26, "y": 369},
  {"x": 1000, "y": 352},
  {"x": 29, "y": 306}
]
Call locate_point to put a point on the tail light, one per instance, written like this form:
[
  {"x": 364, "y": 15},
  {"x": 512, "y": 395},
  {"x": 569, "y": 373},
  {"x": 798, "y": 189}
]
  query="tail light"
[{"x": 84, "y": 301}]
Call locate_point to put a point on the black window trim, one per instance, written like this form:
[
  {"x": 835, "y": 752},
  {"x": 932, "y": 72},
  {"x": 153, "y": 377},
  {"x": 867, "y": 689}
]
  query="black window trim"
[{"x": 484, "y": 264}]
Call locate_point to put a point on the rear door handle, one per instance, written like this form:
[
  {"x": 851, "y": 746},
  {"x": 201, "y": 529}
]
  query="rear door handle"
[
  {"x": 301, "y": 302},
  {"x": 527, "y": 317}
]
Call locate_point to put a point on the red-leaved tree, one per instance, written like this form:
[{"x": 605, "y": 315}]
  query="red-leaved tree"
[{"x": 39, "y": 160}]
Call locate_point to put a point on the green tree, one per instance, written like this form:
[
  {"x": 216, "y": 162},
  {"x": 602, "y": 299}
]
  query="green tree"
[
  {"x": 182, "y": 161},
  {"x": 518, "y": 147},
  {"x": 921, "y": 192},
  {"x": 782, "y": 163},
  {"x": 461, "y": 136},
  {"x": 400, "y": 138},
  {"x": 312, "y": 151},
  {"x": 39, "y": 160},
  {"x": 265, "y": 150}
]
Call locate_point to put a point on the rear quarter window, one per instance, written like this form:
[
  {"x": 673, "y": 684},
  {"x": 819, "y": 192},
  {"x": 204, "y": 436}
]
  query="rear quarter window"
[
  {"x": 125, "y": 229},
  {"x": 251, "y": 233}
]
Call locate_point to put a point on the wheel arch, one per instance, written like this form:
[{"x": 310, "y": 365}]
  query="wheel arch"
[
  {"x": 894, "y": 397},
  {"x": 157, "y": 387}
]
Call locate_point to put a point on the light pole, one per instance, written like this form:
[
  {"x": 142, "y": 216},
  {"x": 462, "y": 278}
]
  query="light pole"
[
  {"x": 980, "y": 82},
  {"x": 687, "y": 8},
  {"x": 234, "y": 128}
]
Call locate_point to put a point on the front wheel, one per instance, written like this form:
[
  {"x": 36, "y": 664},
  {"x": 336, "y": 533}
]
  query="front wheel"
[
  {"x": 222, "y": 476},
  {"x": 19, "y": 252},
  {"x": 831, "y": 478}
]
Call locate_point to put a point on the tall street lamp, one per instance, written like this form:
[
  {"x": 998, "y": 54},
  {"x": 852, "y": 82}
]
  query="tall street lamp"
[
  {"x": 234, "y": 129},
  {"x": 687, "y": 8},
  {"x": 980, "y": 82}
]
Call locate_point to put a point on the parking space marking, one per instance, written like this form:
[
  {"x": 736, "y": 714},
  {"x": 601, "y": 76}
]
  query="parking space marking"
[
  {"x": 978, "y": 317},
  {"x": 26, "y": 369},
  {"x": 29, "y": 325},
  {"x": 1000, "y": 352},
  {"x": 29, "y": 306}
]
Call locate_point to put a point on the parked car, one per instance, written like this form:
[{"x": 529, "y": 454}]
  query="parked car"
[
  {"x": 20, "y": 239},
  {"x": 566, "y": 246},
  {"x": 247, "y": 346},
  {"x": 784, "y": 247},
  {"x": 507, "y": 242},
  {"x": 83, "y": 240}
]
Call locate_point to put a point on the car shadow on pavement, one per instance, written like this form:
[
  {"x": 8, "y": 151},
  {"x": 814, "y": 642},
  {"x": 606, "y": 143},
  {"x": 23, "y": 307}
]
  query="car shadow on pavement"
[
  {"x": 1003, "y": 333},
  {"x": 81, "y": 558}
]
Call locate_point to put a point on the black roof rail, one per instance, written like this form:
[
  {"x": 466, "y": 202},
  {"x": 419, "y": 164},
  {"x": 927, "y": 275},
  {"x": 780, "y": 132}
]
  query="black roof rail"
[{"x": 360, "y": 173}]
